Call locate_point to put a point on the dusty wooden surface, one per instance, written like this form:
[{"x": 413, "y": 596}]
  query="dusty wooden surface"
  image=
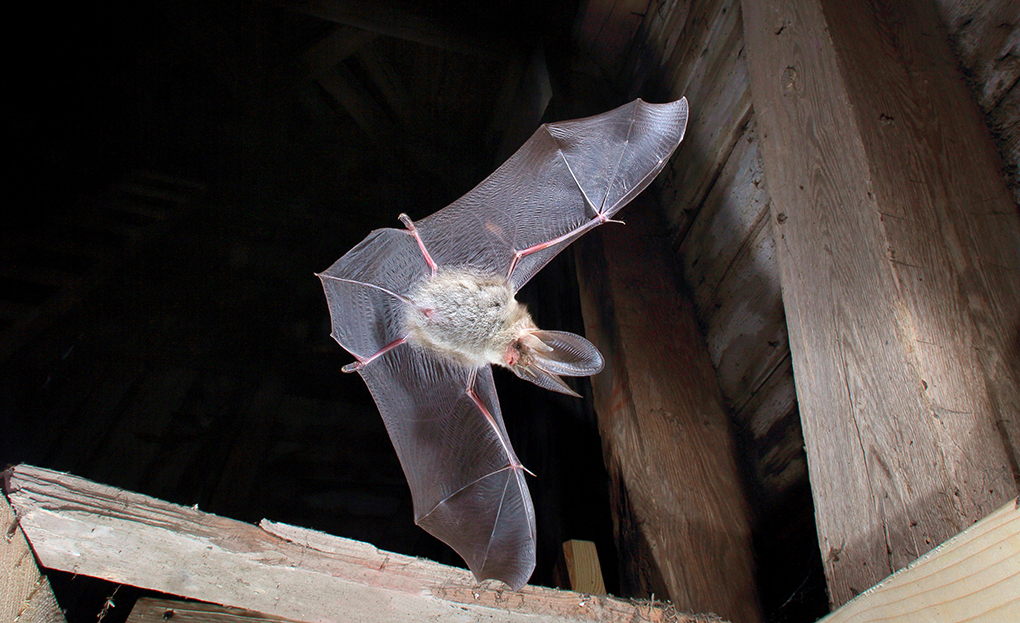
[
  {"x": 25, "y": 594},
  {"x": 664, "y": 430},
  {"x": 974, "y": 577},
  {"x": 986, "y": 38},
  {"x": 82, "y": 527},
  {"x": 160, "y": 610},
  {"x": 897, "y": 245}
]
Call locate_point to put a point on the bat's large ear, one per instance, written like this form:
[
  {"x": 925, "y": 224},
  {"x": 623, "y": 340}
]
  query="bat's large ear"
[
  {"x": 558, "y": 352},
  {"x": 544, "y": 379}
]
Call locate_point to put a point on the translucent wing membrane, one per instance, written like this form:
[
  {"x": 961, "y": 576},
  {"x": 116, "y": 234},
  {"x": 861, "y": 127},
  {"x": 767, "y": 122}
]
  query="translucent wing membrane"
[
  {"x": 443, "y": 419},
  {"x": 467, "y": 484},
  {"x": 567, "y": 178},
  {"x": 365, "y": 290}
]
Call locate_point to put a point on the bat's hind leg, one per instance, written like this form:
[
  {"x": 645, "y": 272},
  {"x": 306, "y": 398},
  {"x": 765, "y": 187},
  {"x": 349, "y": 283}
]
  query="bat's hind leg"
[
  {"x": 409, "y": 224},
  {"x": 469, "y": 389}
]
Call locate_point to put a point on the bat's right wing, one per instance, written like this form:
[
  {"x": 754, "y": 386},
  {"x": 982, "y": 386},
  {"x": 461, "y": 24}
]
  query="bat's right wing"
[
  {"x": 467, "y": 484},
  {"x": 566, "y": 179}
]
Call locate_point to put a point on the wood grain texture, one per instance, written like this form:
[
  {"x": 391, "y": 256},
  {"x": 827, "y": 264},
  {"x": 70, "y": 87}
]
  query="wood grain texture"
[
  {"x": 986, "y": 37},
  {"x": 973, "y": 577},
  {"x": 697, "y": 51},
  {"x": 159, "y": 610},
  {"x": 897, "y": 246},
  {"x": 685, "y": 526},
  {"x": 78, "y": 526},
  {"x": 583, "y": 567},
  {"x": 25, "y": 594}
]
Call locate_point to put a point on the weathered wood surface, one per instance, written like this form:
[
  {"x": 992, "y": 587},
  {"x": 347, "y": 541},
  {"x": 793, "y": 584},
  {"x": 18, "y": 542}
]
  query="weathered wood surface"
[
  {"x": 684, "y": 521},
  {"x": 81, "y": 527},
  {"x": 159, "y": 610},
  {"x": 973, "y": 577},
  {"x": 898, "y": 250},
  {"x": 986, "y": 37},
  {"x": 25, "y": 594}
]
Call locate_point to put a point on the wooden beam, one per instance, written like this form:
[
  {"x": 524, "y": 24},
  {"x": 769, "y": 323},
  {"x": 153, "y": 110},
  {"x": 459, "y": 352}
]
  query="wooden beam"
[
  {"x": 973, "y": 577},
  {"x": 407, "y": 21},
  {"x": 404, "y": 148},
  {"x": 583, "y": 568},
  {"x": 522, "y": 113},
  {"x": 25, "y": 593},
  {"x": 682, "y": 524},
  {"x": 333, "y": 49},
  {"x": 159, "y": 610},
  {"x": 898, "y": 250},
  {"x": 90, "y": 529}
]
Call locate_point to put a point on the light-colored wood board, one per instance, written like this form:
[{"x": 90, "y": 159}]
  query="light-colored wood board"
[
  {"x": 25, "y": 594},
  {"x": 160, "y": 610},
  {"x": 973, "y": 577},
  {"x": 583, "y": 567},
  {"x": 848, "y": 135},
  {"x": 678, "y": 504},
  {"x": 82, "y": 527}
]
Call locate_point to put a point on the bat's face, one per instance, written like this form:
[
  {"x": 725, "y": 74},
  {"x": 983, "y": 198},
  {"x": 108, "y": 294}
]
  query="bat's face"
[{"x": 473, "y": 319}]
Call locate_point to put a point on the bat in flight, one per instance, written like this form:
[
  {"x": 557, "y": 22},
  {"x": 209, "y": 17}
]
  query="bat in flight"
[{"x": 425, "y": 310}]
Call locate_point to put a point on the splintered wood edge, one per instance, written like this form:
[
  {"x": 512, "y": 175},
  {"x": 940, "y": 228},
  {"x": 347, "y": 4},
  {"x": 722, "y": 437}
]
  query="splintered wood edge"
[
  {"x": 82, "y": 527},
  {"x": 974, "y": 577},
  {"x": 25, "y": 594}
]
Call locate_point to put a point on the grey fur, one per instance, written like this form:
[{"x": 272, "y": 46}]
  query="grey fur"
[{"x": 466, "y": 316}]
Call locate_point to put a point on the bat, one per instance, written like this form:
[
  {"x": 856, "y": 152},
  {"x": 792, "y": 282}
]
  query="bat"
[{"x": 427, "y": 310}]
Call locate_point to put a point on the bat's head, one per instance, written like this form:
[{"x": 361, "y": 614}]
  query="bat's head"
[{"x": 543, "y": 356}]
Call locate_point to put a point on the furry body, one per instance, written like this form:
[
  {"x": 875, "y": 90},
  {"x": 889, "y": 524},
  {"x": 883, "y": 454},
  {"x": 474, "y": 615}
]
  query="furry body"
[{"x": 468, "y": 317}]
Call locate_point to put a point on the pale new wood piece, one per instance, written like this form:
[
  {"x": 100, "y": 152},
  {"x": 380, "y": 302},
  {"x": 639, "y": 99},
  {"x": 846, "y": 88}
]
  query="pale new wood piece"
[
  {"x": 681, "y": 520},
  {"x": 973, "y": 577},
  {"x": 897, "y": 246},
  {"x": 25, "y": 594},
  {"x": 82, "y": 527},
  {"x": 583, "y": 567}
]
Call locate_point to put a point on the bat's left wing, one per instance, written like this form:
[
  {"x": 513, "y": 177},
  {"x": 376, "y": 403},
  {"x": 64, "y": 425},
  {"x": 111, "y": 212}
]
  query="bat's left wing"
[
  {"x": 566, "y": 179},
  {"x": 443, "y": 419},
  {"x": 467, "y": 484}
]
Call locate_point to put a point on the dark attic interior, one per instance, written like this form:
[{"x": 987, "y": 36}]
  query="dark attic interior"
[{"x": 811, "y": 320}]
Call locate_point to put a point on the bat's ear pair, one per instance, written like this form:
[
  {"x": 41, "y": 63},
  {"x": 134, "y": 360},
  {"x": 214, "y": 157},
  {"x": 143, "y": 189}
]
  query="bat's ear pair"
[{"x": 554, "y": 353}]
